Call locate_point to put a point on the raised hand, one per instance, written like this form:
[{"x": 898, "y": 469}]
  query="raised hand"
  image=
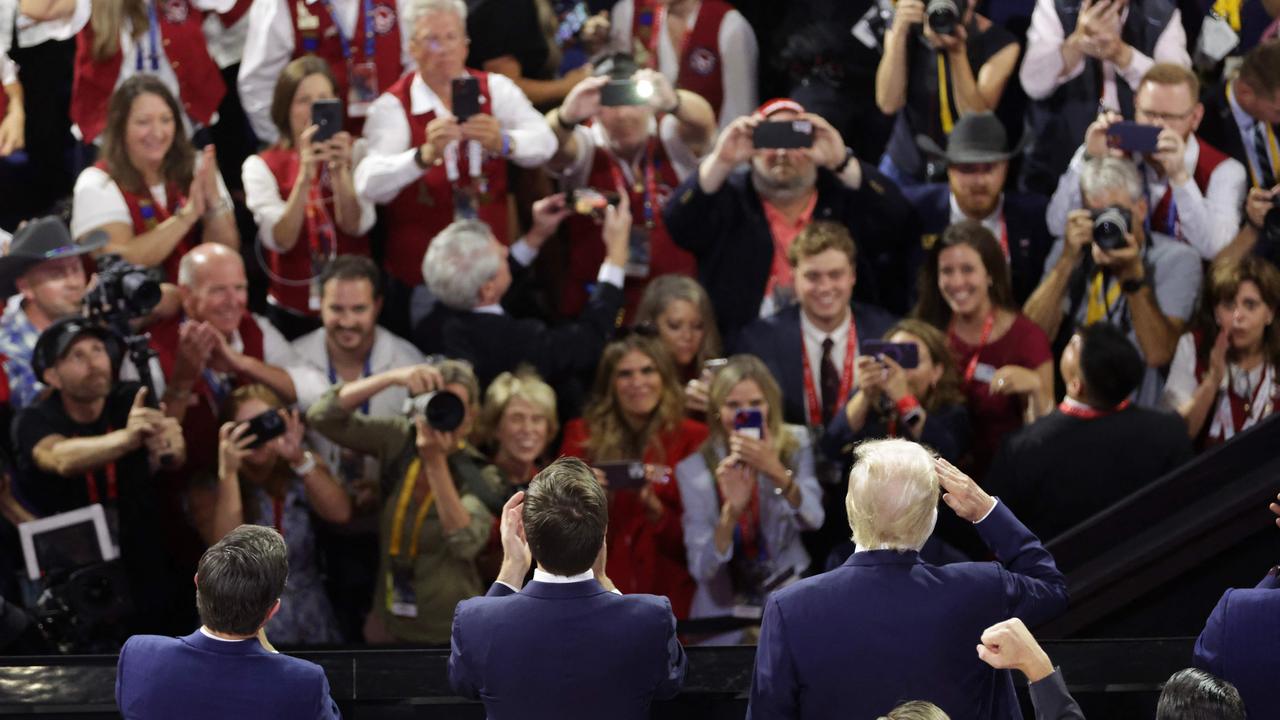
[
  {"x": 1009, "y": 645},
  {"x": 583, "y": 101},
  {"x": 961, "y": 493},
  {"x": 233, "y": 445},
  {"x": 418, "y": 379}
]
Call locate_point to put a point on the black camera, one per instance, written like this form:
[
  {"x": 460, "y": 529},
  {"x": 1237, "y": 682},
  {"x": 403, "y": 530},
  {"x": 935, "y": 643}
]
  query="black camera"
[
  {"x": 1110, "y": 225},
  {"x": 944, "y": 15},
  {"x": 443, "y": 410},
  {"x": 265, "y": 427},
  {"x": 123, "y": 289}
]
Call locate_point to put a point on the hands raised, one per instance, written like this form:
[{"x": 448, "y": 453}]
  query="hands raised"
[
  {"x": 961, "y": 493},
  {"x": 1009, "y": 644},
  {"x": 516, "y": 556}
]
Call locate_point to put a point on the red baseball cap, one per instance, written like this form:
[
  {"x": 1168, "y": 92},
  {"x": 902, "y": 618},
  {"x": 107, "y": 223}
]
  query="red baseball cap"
[{"x": 770, "y": 107}]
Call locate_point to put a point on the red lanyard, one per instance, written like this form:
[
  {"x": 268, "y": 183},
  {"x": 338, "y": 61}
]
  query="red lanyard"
[
  {"x": 846, "y": 376},
  {"x": 91, "y": 486},
  {"x": 1084, "y": 412},
  {"x": 655, "y": 36},
  {"x": 987, "y": 326},
  {"x": 650, "y": 183},
  {"x": 318, "y": 223},
  {"x": 1004, "y": 237}
]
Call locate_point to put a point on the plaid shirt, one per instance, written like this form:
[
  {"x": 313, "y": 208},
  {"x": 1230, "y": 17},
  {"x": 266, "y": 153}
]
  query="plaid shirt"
[{"x": 17, "y": 340}]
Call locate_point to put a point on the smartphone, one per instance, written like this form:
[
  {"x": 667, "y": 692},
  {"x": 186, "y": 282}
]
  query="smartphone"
[
  {"x": 1133, "y": 137},
  {"x": 589, "y": 201},
  {"x": 623, "y": 474},
  {"x": 905, "y": 354},
  {"x": 466, "y": 97},
  {"x": 620, "y": 92},
  {"x": 713, "y": 365},
  {"x": 326, "y": 115},
  {"x": 265, "y": 427},
  {"x": 750, "y": 422},
  {"x": 783, "y": 134}
]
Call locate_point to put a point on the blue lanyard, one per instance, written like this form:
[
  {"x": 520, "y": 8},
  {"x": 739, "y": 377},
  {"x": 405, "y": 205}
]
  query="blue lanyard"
[
  {"x": 219, "y": 388},
  {"x": 152, "y": 32},
  {"x": 333, "y": 377},
  {"x": 1171, "y": 222},
  {"x": 367, "y": 7}
]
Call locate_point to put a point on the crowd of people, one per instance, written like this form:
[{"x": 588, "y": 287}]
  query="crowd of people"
[{"x": 392, "y": 258}]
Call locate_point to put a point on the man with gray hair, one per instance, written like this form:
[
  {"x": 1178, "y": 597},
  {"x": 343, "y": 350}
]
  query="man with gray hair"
[
  {"x": 1107, "y": 267},
  {"x": 226, "y": 668},
  {"x": 466, "y": 270},
  {"x": 899, "y": 626}
]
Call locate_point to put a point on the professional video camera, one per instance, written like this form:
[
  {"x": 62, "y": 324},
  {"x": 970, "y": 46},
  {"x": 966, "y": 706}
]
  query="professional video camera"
[{"x": 125, "y": 292}]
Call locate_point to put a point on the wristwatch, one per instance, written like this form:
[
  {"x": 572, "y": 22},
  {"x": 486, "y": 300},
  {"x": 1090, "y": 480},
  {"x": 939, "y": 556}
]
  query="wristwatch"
[
  {"x": 848, "y": 157},
  {"x": 308, "y": 464},
  {"x": 1133, "y": 285}
]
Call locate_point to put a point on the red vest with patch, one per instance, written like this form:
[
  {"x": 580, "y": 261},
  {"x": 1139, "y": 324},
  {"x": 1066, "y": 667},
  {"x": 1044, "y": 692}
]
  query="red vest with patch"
[
  {"x": 324, "y": 41},
  {"x": 200, "y": 85},
  {"x": 1238, "y": 415},
  {"x": 295, "y": 265},
  {"x": 425, "y": 206},
  {"x": 586, "y": 248},
  {"x": 200, "y": 425},
  {"x": 1209, "y": 159},
  {"x": 701, "y": 65},
  {"x": 147, "y": 214}
]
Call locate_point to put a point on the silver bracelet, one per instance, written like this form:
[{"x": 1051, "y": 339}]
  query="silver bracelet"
[{"x": 308, "y": 465}]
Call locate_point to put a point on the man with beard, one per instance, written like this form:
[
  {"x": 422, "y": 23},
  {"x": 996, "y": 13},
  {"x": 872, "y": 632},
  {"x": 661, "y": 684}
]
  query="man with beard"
[
  {"x": 351, "y": 346},
  {"x": 977, "y": 159},
  {"x": 739, "y": 222},
  {"x": 92, "y": 440}
]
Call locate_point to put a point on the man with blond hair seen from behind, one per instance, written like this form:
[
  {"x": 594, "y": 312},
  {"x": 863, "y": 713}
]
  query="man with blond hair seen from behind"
[{"x": 902, "y": 627}]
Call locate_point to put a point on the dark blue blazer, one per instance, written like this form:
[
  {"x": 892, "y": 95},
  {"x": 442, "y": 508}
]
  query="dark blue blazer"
[
  {"x": 564, "y": 651},
  {"x": 196, "y": 677},
  {"x": 1241, "y": 644},
  {"x": 1029, "y": 237},
  {"x": 887, "y": 627},
  {"x": 777, "y": 340}
]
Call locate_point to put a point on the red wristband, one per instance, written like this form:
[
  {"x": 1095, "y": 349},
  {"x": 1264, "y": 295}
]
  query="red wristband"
[{"x": 906, "y": 404}]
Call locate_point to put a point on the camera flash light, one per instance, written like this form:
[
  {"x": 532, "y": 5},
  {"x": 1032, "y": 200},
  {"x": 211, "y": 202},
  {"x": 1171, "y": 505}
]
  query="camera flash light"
[{"x": 644, "y": 89}]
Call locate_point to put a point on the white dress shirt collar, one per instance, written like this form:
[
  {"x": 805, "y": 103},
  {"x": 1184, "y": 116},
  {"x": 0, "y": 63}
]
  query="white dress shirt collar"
[
  {"x": 424, "y": 100},
  {"x": 990, "y": 222},
  {"x": 491, "y": 309},
  {"x": 1243, "y": 119},
  {"x": 542, "y": 576},
  {"x": 813, "y": 335},
  {"x": 209, "y": 634}
]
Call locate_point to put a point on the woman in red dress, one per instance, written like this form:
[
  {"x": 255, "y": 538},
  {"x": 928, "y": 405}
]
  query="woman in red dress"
[{"x": 637, "y": 414}]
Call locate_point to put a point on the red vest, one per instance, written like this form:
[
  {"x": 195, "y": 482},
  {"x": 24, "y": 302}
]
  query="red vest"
[
  {"x": 1209, "y": 159},
  {"x": 200, "y": 425},
  {"x": 587, "y": 249},
  {"x": 147, "y": 214},
  {"x": 425, "y": 207},
  {"x": 1238, "y": 414},
  {"x": 296, "y": 264},
  {"x": 700, "y": 60},
  {"x": 200, "y": 83},
  {"x": 325, "y": 42}
]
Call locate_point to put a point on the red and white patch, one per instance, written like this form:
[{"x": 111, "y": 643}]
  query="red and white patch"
[
  {"x": 175, "y": 11},
  {"x": 702, "y": 61},
  {"x": 384, "y": 19}
]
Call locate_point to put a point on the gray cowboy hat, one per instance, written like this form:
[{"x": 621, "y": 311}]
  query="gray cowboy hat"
[
  {"x": 976, "y": 138},
  {"x": 46, "y": 238}
]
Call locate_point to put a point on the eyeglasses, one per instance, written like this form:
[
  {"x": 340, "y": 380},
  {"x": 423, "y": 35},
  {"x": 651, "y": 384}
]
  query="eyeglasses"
[
  {"x": 440, "y": 42},
  {"x": 1162, "y": 117}
]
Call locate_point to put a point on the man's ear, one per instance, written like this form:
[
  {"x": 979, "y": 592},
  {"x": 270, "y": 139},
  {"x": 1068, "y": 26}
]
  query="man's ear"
[
  {"x": 50, "y": 378},
  {"x": 187, "y": 297},
  {"x": 272, "y": 612}
]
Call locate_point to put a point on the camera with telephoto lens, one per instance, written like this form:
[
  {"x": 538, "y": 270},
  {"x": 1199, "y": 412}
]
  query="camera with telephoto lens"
[
  {"x": 944, "y": 15},
  {"x": 123, "y": 289},
  {"x": 441, "y": 409},
  {"x": 1110, "y": 225}
]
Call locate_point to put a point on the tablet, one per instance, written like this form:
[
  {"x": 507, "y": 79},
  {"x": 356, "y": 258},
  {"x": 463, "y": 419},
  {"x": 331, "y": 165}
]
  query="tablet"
[{"x": 66, "y": 541}]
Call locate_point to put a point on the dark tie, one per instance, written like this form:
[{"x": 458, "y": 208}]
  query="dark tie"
[
  {"x": 830, "y": 380},
  {"x": 1268, "y": 177}
]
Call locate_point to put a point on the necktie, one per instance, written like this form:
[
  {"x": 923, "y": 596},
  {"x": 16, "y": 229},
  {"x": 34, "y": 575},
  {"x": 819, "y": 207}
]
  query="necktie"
[
  {"x": 1267, "y": 175},
  {"x": 830, "y": 380}
]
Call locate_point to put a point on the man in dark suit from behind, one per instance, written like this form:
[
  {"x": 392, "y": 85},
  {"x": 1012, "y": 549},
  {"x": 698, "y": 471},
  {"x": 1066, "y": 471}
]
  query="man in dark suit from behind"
[
  {"x": 467, "y": 271},
  {"x": 1242, "y": 115},
  {"x": 568, "y": 645},
  {"x": 1241, "y": 641},
  {"x": 226, "y": 669},
  {"x": 854, "y": 641},
  {"x": 1096, "y": 448},
  {"x": 977, "y": 158}
]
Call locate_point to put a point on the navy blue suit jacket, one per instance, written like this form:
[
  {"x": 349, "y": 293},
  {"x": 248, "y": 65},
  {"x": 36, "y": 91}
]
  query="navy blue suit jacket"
[
  {"x": 887, "y": 627},
  {"x": 1029, "y": 237},
  {"x": 1241, "y": 644},
  {"x": 564, "y": 651},
  {"x": 196, "y": 677},
  {"x": 777, "y": 341}
]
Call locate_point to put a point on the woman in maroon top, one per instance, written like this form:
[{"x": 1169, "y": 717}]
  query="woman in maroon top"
[
  {"x": 1004, "y": 358},
  {"x": 637, "y": 413}
]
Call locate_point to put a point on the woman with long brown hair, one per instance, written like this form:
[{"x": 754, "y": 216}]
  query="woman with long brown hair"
[
  {"x": 1223, "y": 376},
  {"x": 303, "y": 199},
  {"x": 278, "y": 483},
  {"x": 151, "y": 193},
  {"x": 636, "y": 419}
]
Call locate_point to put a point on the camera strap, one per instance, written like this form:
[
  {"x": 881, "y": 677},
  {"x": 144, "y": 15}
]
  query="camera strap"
[
  {"x": 814, "y": 405},
  {"x": 91, "y": 483},
  {"x": 944, "y": 102},
  {"x": 402, "y": 508},
  {"x": 624, "y": 177},
  {"x": 1102, "y": 298},
  {"x": 364, "y": 373}
]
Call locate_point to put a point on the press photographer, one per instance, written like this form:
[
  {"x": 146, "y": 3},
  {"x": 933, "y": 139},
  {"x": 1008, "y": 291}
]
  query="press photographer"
[
  {"x": 437, "y": 487},
  {"x": 940, "y": 60},
  {"x": 96, "y": 440},
  {"x": 1109, "y": 268}
]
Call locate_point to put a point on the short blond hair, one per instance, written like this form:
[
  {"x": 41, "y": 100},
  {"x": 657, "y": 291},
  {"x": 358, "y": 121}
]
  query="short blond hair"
[
  {"x": 916, "y": 710},
  {"x": 893, "y": 495},
  {"x": 1171, "y": 74},
  {"x": 523, "y": 384},
  {"x": 820, "y": 236}
]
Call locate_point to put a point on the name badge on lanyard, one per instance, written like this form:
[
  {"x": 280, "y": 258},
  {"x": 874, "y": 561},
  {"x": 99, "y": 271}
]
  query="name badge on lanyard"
[{"x": 362, "y": 73}]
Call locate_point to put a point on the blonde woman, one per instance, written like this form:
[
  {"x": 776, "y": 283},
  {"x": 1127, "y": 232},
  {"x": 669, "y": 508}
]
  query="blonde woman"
[
  {"x": 680, "y": 310},
  {"x": 517, "y": 424},
  {"x": 748, "y": 493}
]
